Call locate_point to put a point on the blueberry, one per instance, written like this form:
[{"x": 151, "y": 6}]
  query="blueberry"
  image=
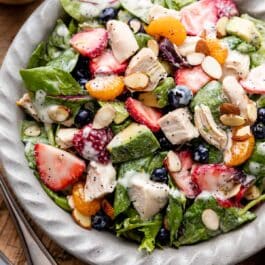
[
  {"x": 81, "y": 73},
  {"x": 108, "y": 14},
  {"x": 83, "y": 117},
  {"x": 101, "y": 221},
  {"x": 201, "y": 154},
  {"x": 163, "y": 236},
  {"x": 163, "y": 141},
  {"x": 258, "y": 130},
  {"x": 261, "y": 115},
  {"x": 180, "y": 96},
  {"x": 159, "y": 175}
]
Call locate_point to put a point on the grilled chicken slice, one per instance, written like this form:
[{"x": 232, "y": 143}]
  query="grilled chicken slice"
[
  {"x": 238, "y": 62},
  {"x": 148, "y": 197},
  {"x": 177, "y": 126},
  {"x": 122, "y": 40},
  {"x": 101, "y": 180},
  {"x": 26, "y": 103},
  {"x": 158, "y": 11},
  {"x": 146, "y": 62},
  {"x": 208, "y": 128},
  {"x": 238, "y": 97}
]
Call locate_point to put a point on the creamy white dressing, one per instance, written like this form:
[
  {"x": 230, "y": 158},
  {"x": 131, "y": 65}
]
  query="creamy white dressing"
[
  {"x": 132, "y": 175},
  {"x": 205, "y": 195},
  {"x": 254, "y": 167},
  {"x": 261, "y": 148},
  {"x": 175, "y": 193},
  {"x": 62, "y": 30},
  {"x": 41, "y": 108}
]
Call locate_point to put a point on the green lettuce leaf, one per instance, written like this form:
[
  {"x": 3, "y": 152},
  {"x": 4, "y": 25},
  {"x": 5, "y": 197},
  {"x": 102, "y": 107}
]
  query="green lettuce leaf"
[
  {"x": 178, "y": 4},
  {"x": 53, "y": 81}
]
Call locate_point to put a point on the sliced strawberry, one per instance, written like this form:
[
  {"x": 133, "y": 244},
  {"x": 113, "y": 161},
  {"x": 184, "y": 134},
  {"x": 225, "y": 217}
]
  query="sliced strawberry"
[
  {"x": 90, "y": 43},
  {"x": 186, "y": 160},
  {"x": 222, "y": 181},
  {"x": 194, "y": 78},
  {"x": 226, "y": 8},
  {"x": 255, "y": 82},
  {"x": 199, "y": 16},
  {"x": 106, "y": 63},
  {"x": 58, "y": 169},
  {"x": 183, "y": 179},
  {"x": 143, "y": 114}
]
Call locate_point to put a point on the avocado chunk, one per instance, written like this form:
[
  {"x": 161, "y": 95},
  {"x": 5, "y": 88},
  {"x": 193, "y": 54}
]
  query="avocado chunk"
[
  {"x": 244, "y": 29},
  {"x": 121, "y": 113},
  {"x": 133, "y": 142}
]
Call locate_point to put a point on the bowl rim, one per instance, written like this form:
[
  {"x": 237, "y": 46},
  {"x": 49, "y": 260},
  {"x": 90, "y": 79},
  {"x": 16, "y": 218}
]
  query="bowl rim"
[{"x": 90, "y": 246}]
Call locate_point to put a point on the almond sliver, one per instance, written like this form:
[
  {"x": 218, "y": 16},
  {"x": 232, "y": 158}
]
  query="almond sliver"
[
  {"x": 212, "y": 67},
  {"x": 136, "y": 81}
]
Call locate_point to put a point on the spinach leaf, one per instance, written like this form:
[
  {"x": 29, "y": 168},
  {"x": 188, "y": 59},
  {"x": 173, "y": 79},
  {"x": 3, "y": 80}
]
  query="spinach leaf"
[
  {"x": 37, "y": 57},
  {"x": 52, "y": 81},
  {"x": 156, "y": 162},
  {"x": 150, "y": 233},
  {"x": 85, "y": 10},
  {"x": 175, "y": 211},
  {"x": 178, "y": 4},
  {"x": 61, "y": 201},
  {"x": 215, "y": 155},
  {"x": 31, "y": 141},
  {"x": 144, "y": 231},
  {"x": 193, "y": 228},
  {"x": 142, "y": 39},
  {"x": 66, "y": 61},
  {"x": 121, "y": 200},
  {"x": 73, "y": 27}
]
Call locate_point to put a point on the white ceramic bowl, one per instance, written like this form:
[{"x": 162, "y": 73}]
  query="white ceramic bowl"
[{"x": 91, "y": 246}]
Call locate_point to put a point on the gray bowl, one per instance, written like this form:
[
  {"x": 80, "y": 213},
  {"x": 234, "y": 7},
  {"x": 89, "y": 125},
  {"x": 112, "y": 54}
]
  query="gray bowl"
[{"x": 92, "y": 246}]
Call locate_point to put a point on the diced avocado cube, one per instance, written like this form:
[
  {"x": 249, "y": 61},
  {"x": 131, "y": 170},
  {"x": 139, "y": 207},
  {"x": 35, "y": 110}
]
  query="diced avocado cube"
[
  {"x": 121, "y": 112},
  {"x": 133, "y": 142},
  {"x": 244, "y": 29}
]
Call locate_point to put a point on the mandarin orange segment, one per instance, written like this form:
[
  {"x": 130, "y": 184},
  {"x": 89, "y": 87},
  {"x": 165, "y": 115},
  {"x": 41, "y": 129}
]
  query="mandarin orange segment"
[
  {"x": 105, "y": 87},
  {"x": 168, "y": 27},
  {"x": 87, "y": 208},
  {"x": 217, "y": 50},
  {"x": 239, "y": 152}
]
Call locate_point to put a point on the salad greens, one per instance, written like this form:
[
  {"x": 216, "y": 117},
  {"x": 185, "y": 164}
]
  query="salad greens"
[{"x": 163, "y": 166}]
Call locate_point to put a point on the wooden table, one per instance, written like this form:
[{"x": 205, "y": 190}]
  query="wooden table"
[{"x": 11, "y": 19}]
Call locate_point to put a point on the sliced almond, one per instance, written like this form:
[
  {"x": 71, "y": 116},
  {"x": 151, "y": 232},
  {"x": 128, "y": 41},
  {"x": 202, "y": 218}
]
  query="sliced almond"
[
  {"x": 252, "y": 193},
  {"x": 210, "y": 219},
  {"x": 153, "y": 45},
  {"x": 71, "y": 201},
  {"x": 137, "y": 81},
  {"x": 212, "y": 67},
  {"x": 202, "y": 47},
  {"x": 227, "y": 194},
  {"x": 195, "y": 58},
  {"x": 232, "y": 120},
  {"x": 58, "y": 113},
  {"x": 172, "y": 162},
  {"x": 64, "y": 137},
  {"x": 104, "y": 117},
  {"x": 221, "y": 27},
  {"x": 252, "y": 111},
  {"x": 229, "y": 108},
  {"x": 82, "y": 220},
  {"x": 241, "y": 133},
  {"x": 32, "y": 131}
]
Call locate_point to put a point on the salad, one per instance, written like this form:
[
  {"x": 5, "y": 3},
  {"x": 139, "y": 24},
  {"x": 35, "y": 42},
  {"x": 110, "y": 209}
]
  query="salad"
[{"x": 147, "y": 118}]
